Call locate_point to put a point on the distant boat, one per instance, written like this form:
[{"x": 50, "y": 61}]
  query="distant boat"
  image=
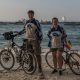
[
  {"x": 16, "y": 23},
  {"x": 71, "y": 23},
  {"x": 65, "y": 22}
]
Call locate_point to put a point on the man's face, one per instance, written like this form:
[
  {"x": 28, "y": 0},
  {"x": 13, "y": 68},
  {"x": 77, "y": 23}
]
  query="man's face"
[
  {"x": 54, "y": 22},
  {"x": 30, "y": 15}
]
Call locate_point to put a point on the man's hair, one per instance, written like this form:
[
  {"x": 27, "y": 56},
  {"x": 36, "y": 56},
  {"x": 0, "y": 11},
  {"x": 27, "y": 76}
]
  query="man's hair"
[
  {"x": 31, "y": 11},
  {"x": 55, "y": 18}
]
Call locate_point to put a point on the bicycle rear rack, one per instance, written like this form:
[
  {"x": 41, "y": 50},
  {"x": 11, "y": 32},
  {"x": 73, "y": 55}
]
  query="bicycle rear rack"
[{"x": 74, "y": 51}]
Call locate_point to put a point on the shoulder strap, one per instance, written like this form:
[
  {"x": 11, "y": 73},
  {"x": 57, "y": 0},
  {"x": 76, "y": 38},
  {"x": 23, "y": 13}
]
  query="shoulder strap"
[
  {"x": 38, "y": 25},
  {"x": 60, "y": 29}
]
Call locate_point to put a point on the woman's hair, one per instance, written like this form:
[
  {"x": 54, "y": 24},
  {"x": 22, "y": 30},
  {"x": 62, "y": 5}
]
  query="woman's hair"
[
  {"x": 55, "y": 18},
  {"x": 31, "y": 11}
]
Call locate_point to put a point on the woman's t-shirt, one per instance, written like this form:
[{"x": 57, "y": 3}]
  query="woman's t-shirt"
[
  {"x": 60, "y": 32},
  {"x": 56, "y": 39}
]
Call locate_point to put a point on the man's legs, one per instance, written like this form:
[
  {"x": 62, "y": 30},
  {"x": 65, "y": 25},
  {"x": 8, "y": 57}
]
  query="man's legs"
[
  {"x": 27, "y": 46},
  {"x": 37, "y": 52},
  {"x": 39, "y": 63},
  {"x": 39, "y": 60}
]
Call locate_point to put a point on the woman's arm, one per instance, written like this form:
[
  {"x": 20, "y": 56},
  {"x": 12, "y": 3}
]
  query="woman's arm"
[{"x": 49, "y": 34}]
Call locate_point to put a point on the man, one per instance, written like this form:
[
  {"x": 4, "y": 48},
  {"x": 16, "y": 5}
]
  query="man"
[
  {"x": 35, "y": 43},
  {"x": 57, "y": 37}
]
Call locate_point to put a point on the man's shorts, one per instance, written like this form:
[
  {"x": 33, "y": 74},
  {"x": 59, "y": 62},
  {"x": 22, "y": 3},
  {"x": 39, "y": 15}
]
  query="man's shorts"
[
  {"x": 34, "y": 44},
  {"x": 57, "y": 49}
]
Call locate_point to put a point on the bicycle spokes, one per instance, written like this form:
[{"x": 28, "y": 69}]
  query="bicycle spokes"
[
  {"x": 6, "y": 59},
  {"x": 29, "y": 63},
  {"x": 75, "y": 63}
]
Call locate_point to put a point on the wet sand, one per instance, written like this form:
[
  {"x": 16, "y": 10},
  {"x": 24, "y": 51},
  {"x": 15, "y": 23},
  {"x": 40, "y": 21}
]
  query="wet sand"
[{"x": 20, "y": 75}]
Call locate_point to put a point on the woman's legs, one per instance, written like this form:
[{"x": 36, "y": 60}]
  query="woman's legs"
[
  {"x": 54, "y": 59},
  {"x": 59, "y": 59},
  {"x": 54, "y": 51}
]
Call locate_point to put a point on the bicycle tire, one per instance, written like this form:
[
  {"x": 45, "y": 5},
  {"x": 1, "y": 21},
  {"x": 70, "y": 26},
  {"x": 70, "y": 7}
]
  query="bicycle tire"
[
  {"x": 46, "y": 58},
  {"x": 10, "y": 53},
  {"x": 47, "y": 61},
  {"x": 76, "y": 54},
  {"x": 35, "y": 63}
]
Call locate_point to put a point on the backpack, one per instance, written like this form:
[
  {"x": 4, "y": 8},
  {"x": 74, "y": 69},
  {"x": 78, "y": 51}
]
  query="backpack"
[
  {"x": 30, "y": 30},
  {"x": 60, "y": 29}
]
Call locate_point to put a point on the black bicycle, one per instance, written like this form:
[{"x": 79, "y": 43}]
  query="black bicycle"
[
  {"x": 25, "y": 58},
  {"x": 70, "y": 57}
]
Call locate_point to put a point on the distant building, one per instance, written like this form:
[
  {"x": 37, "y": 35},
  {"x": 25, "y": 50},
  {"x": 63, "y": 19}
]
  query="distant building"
[{"x": 45, "y": 22}]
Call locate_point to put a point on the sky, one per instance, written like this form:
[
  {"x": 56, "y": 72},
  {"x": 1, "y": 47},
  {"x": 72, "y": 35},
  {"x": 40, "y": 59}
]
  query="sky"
[{"x": 14, "y": 10}]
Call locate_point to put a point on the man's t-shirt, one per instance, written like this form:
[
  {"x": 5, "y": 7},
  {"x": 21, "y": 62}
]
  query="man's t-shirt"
[
  {"x": 30, "y": 31},
  {"x": 38, "y": 30}
]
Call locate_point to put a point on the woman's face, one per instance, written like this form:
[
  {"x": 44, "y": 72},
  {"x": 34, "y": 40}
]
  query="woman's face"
[
  {"x": 55, "y": 22},
  {"x": 30, "y": 15}
]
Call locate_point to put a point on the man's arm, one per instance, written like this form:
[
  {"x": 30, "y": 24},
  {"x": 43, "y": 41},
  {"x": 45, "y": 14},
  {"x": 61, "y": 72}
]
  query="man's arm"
[
  {"x": 39, "y": 30},
  {"x": 22, "y": 31}
]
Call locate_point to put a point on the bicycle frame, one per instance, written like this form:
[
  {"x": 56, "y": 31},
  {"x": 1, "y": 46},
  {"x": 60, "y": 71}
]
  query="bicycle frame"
[
  {"x": 66, "y": 59},
  {"x": 12, "y": 45},
  {"x": 68, "y": 52}
]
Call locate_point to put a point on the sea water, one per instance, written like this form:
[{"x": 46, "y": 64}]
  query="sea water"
[{"x": 73, "y": 33}]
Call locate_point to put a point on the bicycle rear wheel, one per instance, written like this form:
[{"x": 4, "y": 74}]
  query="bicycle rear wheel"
[
  {"x": 74, "y": 63},
  {"x": 29, "y": 63},
  {"x": 7, "y": 59},
  {"x": 49, "y": 59}
]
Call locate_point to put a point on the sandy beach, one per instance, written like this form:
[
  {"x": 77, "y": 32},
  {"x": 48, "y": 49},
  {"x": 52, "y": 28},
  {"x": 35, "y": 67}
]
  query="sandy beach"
[{"x": 20, "y": 75}]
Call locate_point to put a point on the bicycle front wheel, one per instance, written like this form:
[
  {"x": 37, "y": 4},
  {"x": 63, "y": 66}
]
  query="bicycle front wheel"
[
  {"x": 29, "y": 63},
  {"x": 7, "y": 59},
  {"x": 74, "y": 63},
  {"x": 49, "y": 59}
]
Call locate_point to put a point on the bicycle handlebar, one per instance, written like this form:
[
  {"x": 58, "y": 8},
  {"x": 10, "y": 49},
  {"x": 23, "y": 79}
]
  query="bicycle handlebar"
[
  {"x": 14, "y": 35},
  {"x": 9, "y": 31},
  {"x": 11, "y": 34}
]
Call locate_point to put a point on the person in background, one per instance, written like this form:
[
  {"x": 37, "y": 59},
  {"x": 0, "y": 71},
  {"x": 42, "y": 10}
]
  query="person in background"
[
  {"x": 35, "y": 43},
  {"x": 57, "y": 38}
]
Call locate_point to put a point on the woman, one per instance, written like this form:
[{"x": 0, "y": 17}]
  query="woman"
[{"x": 57, "y": 37}]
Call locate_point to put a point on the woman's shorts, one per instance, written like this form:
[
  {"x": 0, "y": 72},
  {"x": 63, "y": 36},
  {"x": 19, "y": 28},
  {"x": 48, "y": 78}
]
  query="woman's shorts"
[{"x": 57, "y": 49}]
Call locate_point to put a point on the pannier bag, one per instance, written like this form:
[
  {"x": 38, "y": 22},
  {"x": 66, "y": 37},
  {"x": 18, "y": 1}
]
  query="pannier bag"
[{"x": 8, "y": 35}]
